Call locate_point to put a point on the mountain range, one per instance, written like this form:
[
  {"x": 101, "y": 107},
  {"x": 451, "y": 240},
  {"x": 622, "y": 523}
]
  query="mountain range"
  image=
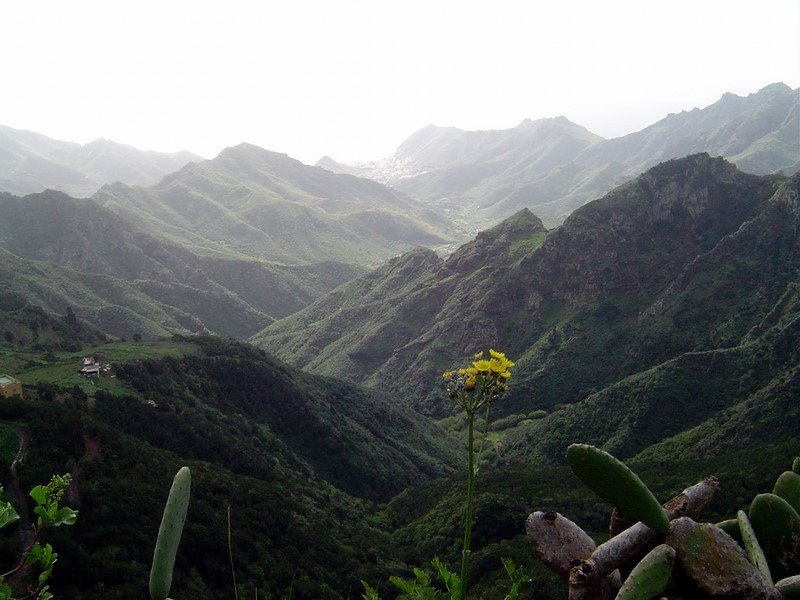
[
  {"x": 692, "y": 261},
  {"x": 260, "y": 204},
  {"x": 553, "y": 166},
  {"x": 659, "y": 321},
  {"x": 31, "y": 162},
  {"x": 62, "y": 253}
]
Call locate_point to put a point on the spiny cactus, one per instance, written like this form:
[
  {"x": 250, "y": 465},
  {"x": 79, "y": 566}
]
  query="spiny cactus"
[
  {"x": 789, "y": 587},
  {"x": 709, "y": 559},
  {"x": 788, "y": 488},
  {"x": 650, "y": 576},
  {"x": 777, "y": 527},
  {"x": 796, "y": 465},
  {"x": 751, "y": 545},
  {"x": 614, "y": 482},
  {"x": 169, "y": 535}
]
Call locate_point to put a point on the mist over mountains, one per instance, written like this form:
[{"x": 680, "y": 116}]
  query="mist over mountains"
[
  {"x": 31, "y": 162},
  {"x": 289, "y": 325},
  {"x": 553, "y": 166}
]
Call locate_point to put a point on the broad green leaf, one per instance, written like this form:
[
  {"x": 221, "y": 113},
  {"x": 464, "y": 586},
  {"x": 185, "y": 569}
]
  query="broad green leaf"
[
  {"x": 7, "y": 515},
  {"x": 39, "y": 494},
  {"x": 65, "y": 516}
]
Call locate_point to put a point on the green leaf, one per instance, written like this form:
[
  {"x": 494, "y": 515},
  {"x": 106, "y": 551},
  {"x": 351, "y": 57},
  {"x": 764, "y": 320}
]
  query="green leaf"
[
  {"x": 7, "y": 515},
  {"x": 44, "y": 516},
  {"x": 518, "y": 579},
  {"x": 370, "y": 593},
  {"x": 5, "y": 592},
  {"x": 451, "y": 580},
  {"x": 65, "y": 516},
  {"x": 39, "y": 494}
]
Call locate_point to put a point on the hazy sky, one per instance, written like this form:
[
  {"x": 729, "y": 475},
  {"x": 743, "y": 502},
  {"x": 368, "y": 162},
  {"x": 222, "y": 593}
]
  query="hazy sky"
[{"x": 354, "y": 78}]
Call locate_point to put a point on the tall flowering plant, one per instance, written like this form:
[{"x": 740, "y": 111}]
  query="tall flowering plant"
[{"x": 474, "y": 388}]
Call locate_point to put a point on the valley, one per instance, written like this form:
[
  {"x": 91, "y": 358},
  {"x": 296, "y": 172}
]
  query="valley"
[{"x": 282, "y": 329}]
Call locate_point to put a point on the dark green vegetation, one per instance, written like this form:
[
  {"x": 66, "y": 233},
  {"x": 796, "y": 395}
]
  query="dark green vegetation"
[
  {"x": 252, "y": 202},
  {"x": 31, "y": 162},
  {"x": 553, "y": 166},
  {"x": 299, "y": 459},
  {"x": 63, "y": 253},
  {"x": 405, "y": 307},
  {"x": 668, "y": 303},
  {"x": 659, "y": 322}
]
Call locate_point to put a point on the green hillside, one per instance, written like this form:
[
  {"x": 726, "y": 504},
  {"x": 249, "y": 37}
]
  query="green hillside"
[
  {"x": 171, "y": 288},
  {"x": 402, "y": 308},
  {"x": 260, "y": 204},
  {"x": 31, "y": 162},
  {"x": 553, "y": 166},
  {"x": 299, "y": 458}
]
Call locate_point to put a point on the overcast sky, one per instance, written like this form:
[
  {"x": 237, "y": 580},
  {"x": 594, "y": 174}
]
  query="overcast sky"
[{"x": 354, "y": 78}]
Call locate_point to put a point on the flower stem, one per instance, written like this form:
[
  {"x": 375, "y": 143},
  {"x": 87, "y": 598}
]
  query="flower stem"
[{"x": 468, "y": 520}]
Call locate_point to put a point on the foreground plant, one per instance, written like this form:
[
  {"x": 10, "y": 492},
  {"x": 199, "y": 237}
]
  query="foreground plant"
[
  {"x": 651, "y": 538},
  {"x": 474, "y": 389},
  {"x": 169, "y": 534},
  {"x": 37, "y": 556}
]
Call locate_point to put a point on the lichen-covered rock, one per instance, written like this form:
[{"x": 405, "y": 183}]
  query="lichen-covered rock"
[
  {"x": 713, "y": 565},
  {"x": 731, "y": 527},
  {"x": 557, "y": 541}
]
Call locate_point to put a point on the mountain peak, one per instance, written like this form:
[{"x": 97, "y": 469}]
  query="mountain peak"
[{"x": 519, "y": 234}]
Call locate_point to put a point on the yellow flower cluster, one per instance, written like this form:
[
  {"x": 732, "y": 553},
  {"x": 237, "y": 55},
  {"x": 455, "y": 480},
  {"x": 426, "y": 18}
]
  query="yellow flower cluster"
[{"x": 492, "y": 373}]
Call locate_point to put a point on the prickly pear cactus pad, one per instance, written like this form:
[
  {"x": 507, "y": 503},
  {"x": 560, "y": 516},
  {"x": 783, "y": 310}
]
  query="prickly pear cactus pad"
[
  {"x": 169, "y": 535},
  {"x": 788, "y": 488},
  {"x": 557, "y": 541},
  {"x": 789, "y": 587},
  {"x": 751, "y": 545},
  {"x": 650, "y": 576},
  {"x": 796, "y": 465},
  {"x": 777, "y": 527},
  {"x": 713, "y": 564},
  {"x": 614, "y": 482}
]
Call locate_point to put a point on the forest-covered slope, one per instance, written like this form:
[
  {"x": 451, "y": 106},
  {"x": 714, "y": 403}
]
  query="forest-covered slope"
[
  {"x": 67, "y": 252},
  {"x": 299, "y": 459},
  {"x": 265, "y": 205}
]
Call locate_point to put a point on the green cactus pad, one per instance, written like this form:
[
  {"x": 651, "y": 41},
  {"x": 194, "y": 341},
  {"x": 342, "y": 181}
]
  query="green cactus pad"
[
  {"x": 713, "y": 564},
  {"x": 796, "y": 465},
  {"x": 777, "y": 527},
  {"x": 731, "y": 527},
  {"x": 754, "y": 551},
  {"x": 788, "y": 488},
  {"x": 650, "y": 576},
  {"x": 169, "y": 535},
  {"x": 616, "y": 483},
  {"x": 789, "y": 587}
]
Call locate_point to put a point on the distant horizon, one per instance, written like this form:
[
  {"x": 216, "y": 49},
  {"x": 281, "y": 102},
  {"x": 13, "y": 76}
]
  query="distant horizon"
[
  {"x": 353, "y": 79},
  {"x": 376, "y": 158}
]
